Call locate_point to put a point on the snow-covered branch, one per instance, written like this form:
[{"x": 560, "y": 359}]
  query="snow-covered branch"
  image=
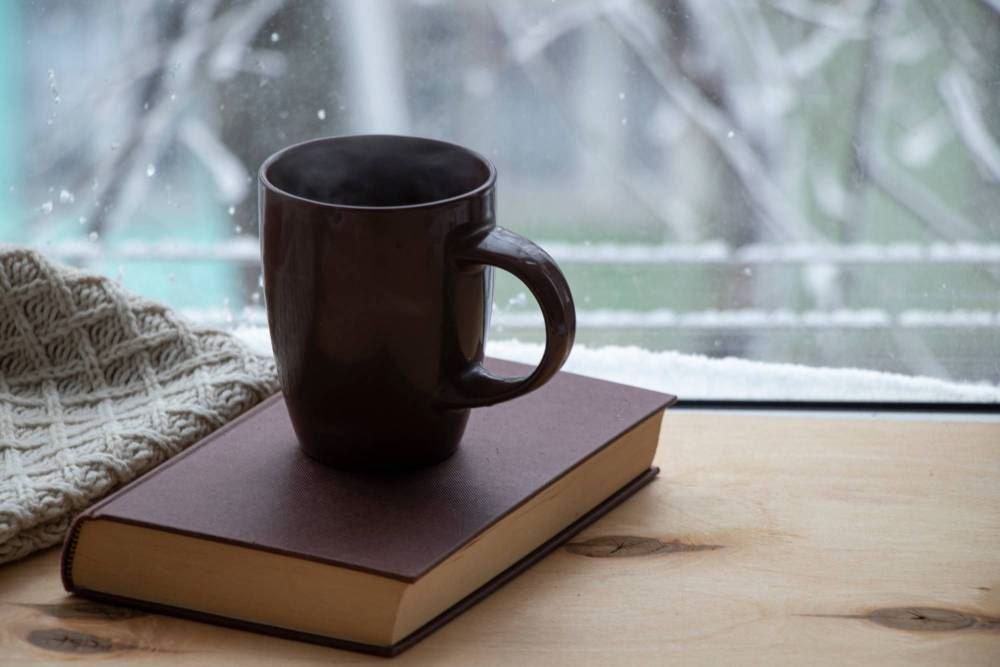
[
  {"x": 786, "y": 222},
  {"x": 959, "y": 96},
  {"x": 124, "y": 179},
  {"x": 838, "y": 16},
  {"x": 530, "y": 42}
]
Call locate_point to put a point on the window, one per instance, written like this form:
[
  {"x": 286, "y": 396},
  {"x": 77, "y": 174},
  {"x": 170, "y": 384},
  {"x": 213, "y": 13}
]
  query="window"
[{"x": 793, "y": 181}]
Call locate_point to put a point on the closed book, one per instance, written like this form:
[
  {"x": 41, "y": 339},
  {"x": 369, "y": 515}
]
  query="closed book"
[{"x": 244, "y": 530}]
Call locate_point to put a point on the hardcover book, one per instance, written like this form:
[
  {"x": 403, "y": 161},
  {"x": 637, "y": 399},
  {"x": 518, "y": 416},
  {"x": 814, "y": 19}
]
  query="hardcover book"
[{"x": 244, "y": 530}]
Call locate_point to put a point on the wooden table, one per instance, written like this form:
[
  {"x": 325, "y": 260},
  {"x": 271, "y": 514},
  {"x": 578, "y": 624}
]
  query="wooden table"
[{"x": 766, "y": 539}]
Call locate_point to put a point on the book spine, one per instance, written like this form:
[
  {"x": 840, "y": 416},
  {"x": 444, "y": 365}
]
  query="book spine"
[
  {"x": 73, "y": 535},
  {"x": 69, "y": 551}
]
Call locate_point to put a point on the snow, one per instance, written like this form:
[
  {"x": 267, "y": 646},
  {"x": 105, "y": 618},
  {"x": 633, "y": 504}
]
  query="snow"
[
  {"x": 697, "y": 377},
  {"x": 694, "y": 376},
  {"x": 920, "y": 145},
  {"x": 244, "y": 249},
  {"x": 755, "y": 318},
  {"x": 736, "y": 319},
  {"x": 706, "y": 252},
  {"x": 717, "y": 252}
]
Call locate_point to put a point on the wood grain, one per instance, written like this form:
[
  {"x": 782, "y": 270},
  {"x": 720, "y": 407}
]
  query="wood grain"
[{"x": 765, "y": 540}]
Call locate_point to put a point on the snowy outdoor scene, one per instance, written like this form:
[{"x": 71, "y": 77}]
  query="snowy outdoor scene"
[{"x": 799, "y": 182}]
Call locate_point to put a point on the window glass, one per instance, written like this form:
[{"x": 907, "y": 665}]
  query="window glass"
[{"x": 777, "y": 180}]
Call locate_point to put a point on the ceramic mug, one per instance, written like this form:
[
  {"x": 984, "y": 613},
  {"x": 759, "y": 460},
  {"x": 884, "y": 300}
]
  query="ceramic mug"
[{"x": 378, "y": 253}]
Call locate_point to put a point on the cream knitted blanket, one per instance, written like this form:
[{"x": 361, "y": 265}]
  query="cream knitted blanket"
[{"x": 98, "y": 386}]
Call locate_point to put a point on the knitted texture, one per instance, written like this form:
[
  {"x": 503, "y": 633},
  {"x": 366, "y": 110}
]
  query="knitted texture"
[{"x": 98, "y": 386}]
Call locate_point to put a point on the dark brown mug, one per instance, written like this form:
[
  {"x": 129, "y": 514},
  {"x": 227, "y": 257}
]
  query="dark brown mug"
[{"x": 377, "y": 254}]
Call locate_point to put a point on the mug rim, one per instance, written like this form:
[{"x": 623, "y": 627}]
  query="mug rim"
[{"x": 486, "y": 185}]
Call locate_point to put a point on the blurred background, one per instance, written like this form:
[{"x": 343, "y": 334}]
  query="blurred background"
[{"x": 804, "y": 181}]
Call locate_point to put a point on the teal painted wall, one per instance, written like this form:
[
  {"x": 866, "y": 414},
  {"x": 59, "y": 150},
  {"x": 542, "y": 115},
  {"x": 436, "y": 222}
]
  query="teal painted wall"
[{"x": 11, "y": 109}]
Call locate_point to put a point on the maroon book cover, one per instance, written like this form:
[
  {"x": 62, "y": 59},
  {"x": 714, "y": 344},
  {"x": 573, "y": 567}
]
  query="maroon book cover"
[{"x": 248, "y": 484}]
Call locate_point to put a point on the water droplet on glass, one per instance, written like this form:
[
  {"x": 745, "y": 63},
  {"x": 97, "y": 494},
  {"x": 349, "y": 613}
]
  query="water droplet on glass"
[
  {"x": 231, "y": 210},
  {"x": 47, "y": 207},
  {"x": 275, "y": 37},
  {"x": 150, "y": 170},
  {"x": 52, "y": 87},
  {"x": 66, "y": 197},
  {"x": 321, "y": 114},
  {"x": 730, "y": 134},
  {"x": 93, "y": 236}
]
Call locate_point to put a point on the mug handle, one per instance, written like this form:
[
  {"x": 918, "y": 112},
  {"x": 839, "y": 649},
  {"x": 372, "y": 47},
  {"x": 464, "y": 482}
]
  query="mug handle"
[{"x": 517, "y": 255}]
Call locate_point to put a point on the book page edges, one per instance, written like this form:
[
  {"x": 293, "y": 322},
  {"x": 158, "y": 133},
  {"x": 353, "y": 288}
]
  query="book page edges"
[
  {"x": 396, "y": 609},
  {"x": 545, "y": 514}
]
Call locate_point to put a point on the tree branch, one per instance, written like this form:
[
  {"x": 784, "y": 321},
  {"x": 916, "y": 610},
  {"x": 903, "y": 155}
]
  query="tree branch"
[
  {"x": 123, "y": 181},
  {"x": 784, "y": 222},
  {"x": 542, "y": 76},
  {"x": 821, "y": 15},
  {"x": 956, "y": 89}
]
